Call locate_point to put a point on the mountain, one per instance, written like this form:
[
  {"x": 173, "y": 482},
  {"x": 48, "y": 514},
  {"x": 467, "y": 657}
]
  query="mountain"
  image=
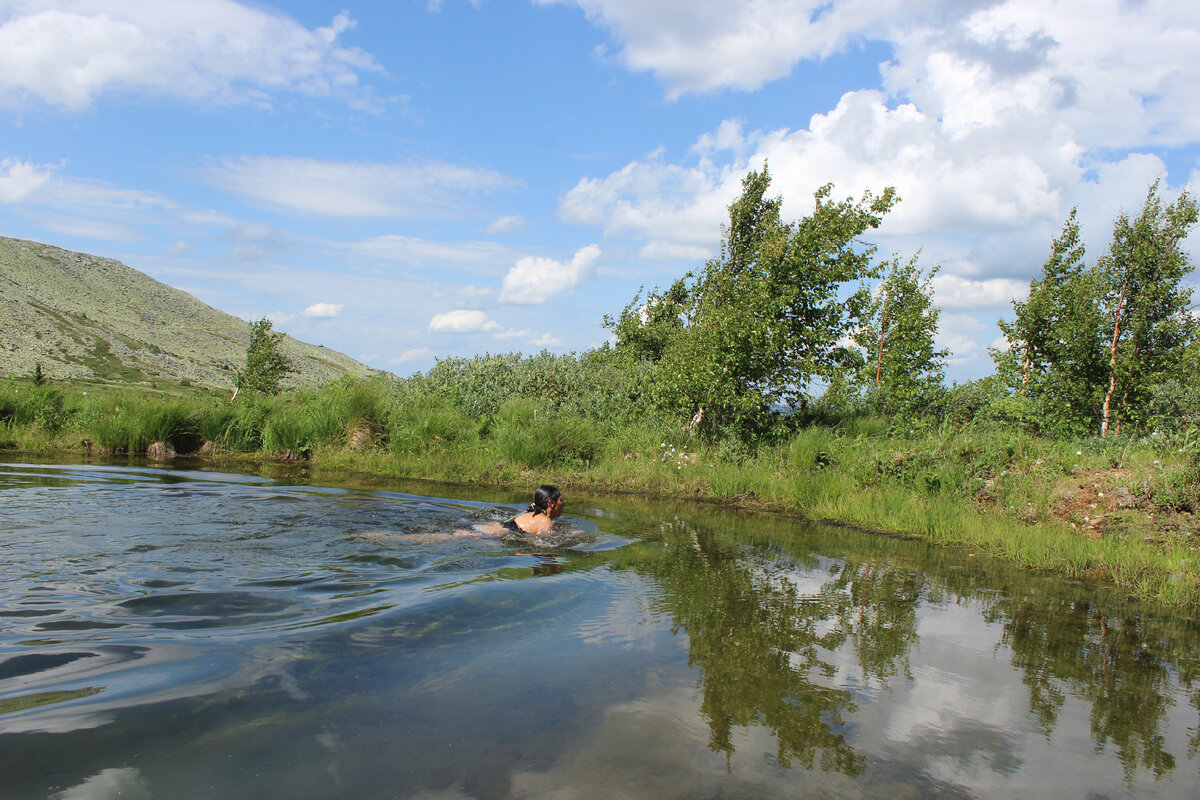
[{"x": 92, "y": 318}]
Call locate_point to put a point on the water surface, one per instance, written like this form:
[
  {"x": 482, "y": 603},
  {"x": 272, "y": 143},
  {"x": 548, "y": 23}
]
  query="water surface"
[{"x": 190, "y": 634}]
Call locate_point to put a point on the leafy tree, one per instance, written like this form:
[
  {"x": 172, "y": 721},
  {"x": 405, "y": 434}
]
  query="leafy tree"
[
  {"x": 1088, "y": 346},
  {"x": 1054, "y": 359},
  {"x": 1144, "y": 301},
  {"x": 644, "y": 329},
  {"x": 266, "y": 365},
  {"x": 902, "y": 370},
  {"x": 768, "y": 315}
]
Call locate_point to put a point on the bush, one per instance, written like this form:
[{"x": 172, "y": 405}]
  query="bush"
[{"x": 1173, "y": 407}]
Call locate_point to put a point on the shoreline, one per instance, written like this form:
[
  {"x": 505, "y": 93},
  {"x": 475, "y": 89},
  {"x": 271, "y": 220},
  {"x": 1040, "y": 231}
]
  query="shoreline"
[{"x": 1160, "y": 572}]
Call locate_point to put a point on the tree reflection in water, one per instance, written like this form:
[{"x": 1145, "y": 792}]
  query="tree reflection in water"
[{"x": 765, "y": 618}]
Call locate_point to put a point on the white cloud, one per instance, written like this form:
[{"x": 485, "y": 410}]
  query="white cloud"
[
  {"x": 91, "y": 229},
  {"x": 952, "y": 291},
  {"x": 512, "y": 333},
  {"x": 726, "y": 43},
  {"x": 462, "y": 321},
  {"x": 481, "y": 257},
  {"x": 20, "y": 179},
  {"x": 323, "y": 310},
  {"x": 977, "y": 181},
  {"x": 962, "y": 335},
  {"x": 669, "y": 205},
  {"x": 545, "y": 340},
  {"x": 415, "y": 354},
  {"x": 535, "y": 280},
  {"x": 507, "y": 224},
  {"x": 966, "y": 62},
  {"x": 428, "y": 190},
  {"x": 69, "y": 53},
  {"x": 993, "y": 120},
  {"x": 529, "y": 337}
]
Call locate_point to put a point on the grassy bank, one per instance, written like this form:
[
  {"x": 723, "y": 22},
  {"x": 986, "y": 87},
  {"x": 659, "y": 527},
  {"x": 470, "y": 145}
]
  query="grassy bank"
[{"x": 1118, "y": 509}]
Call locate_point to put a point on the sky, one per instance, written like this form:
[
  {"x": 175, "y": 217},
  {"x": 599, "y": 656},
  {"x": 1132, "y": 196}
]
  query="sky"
[{"x": 415, "y": 180}]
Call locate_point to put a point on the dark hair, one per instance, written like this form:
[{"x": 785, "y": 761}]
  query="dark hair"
[{"x": 543, "y": 497}]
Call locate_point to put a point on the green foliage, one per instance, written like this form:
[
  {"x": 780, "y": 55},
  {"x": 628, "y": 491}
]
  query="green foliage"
[
  {"x": 812, "y": 448},
  {"x": 39, "y": 405},
  {"x": 902, "y": 371},
  {"x": 1173, "y": 406},
  {"x": 525, "y": 437},
  {"x": 1088, "y": 345},
  {"x": 266, "y": 365},
  {"x": 590, "y": 385},
  {"x": 244, "y": 432},
  {"x": 163, "y": 422},
  {"x": 749, "y": 332},
  {"x": 1054, "y": 365},
  {"x": 424, "y": 425},
  {"x": 289, "y": 432},
  {"x": 1144, "y": 302},
  {"x": 38, "y": 377}
]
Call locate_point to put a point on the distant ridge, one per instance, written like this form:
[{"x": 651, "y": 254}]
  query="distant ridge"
[{"x": 85, "y": 317}]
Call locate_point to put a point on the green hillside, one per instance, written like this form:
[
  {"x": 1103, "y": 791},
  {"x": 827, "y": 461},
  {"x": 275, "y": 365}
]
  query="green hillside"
[{"x": 89, "y": 318}]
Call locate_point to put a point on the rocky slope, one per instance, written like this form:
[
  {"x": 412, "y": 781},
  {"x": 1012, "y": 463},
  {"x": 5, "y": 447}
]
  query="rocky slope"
[{"x": 92, "y": 318}]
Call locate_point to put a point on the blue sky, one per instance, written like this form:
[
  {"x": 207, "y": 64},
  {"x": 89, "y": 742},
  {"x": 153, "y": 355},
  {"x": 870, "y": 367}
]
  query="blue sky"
[{"x": 406, "y": 181}]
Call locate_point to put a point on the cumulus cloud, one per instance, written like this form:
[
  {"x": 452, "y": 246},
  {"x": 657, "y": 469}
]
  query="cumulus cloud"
[
  {"x": 954, "y": 292},
  {"x": 428, "y": 190},
  {"x": 323, "y": 310},
  {"x": 20, "y": 179},
  {"x": 964, "y": 336},
  {"x": 965, "y": 61},
  {"x": 993, "y": 117},
  {"x": 69, "y": 53},
  {"x": 535, "y": 280},
  {"x": 462, "y": 321},
  {"x": 976, "y": 181}
]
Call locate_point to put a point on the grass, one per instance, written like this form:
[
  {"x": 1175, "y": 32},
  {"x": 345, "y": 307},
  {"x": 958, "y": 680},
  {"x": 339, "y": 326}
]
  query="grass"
[{"x": 1121, "y": 510}]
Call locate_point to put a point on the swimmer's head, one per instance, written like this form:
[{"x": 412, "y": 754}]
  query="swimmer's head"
[{"x": 547, "y": 500}]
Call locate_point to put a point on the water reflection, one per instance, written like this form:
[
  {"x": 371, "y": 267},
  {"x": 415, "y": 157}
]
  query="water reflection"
[
  {"x": 243, "y": 636},
  {"x": 764, "y": 614}
]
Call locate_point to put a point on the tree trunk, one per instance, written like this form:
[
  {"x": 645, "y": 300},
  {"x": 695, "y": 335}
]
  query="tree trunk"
[
  {"x": 879, "y": 364},
  {"x": 1112, "y": 366}
]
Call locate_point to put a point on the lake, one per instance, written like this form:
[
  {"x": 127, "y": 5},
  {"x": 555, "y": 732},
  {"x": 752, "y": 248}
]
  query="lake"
[{"x": 183, "y": 633}]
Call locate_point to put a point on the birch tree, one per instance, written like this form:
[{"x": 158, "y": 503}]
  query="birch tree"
[
  {"x": 902, "y": 368},
  {"x": 1147, "y": 327}
]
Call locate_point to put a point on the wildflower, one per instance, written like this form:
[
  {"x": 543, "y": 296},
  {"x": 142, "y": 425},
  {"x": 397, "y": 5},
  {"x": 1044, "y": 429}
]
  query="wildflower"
[{"x": 1078, "y": 452}]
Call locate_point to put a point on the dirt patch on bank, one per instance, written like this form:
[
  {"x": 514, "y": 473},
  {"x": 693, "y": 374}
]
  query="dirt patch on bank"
[{"x": 1116, "y": 502}]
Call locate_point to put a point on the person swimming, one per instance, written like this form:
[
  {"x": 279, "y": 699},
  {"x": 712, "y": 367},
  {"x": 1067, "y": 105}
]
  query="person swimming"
[{"x": 546, "y": 507}]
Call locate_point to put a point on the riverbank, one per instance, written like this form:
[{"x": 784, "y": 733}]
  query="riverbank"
[{"x": 1121, "y": 510}]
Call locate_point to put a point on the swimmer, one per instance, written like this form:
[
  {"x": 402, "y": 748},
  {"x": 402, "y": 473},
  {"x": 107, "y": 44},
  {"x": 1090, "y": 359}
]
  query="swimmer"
[{"x": 546, "y": 507}]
